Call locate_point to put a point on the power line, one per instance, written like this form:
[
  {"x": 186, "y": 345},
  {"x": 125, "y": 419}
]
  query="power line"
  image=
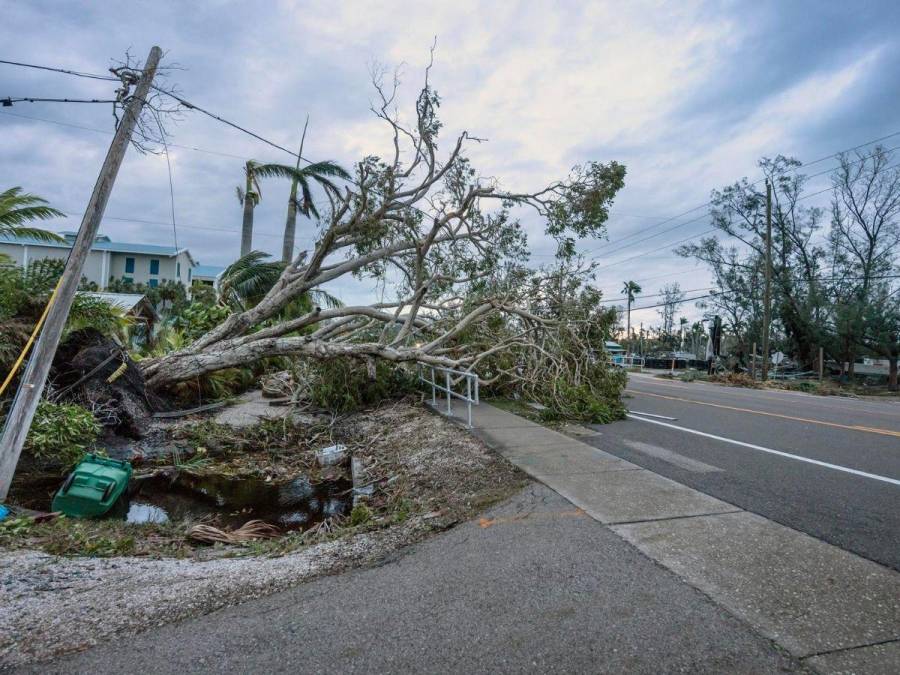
[
  {"x": 709, "y": 231},
  {"x": 138, "y": 221},
  {"x": 657, "y": 295},
  {"x": 694, "y": 220},
  {"x": 162, "y": 135},
  {"x": 108, "y": 132},
  {"x": 60, "y": 70},
  {"x": 676, "y": 302},
  {"x": 7, "y": 102},
  {"x": 696, "y": 208}
]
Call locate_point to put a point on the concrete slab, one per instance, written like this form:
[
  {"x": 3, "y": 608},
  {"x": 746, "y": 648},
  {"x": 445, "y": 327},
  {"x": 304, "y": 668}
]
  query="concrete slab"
[
  {"x": 807, "y": 595},
  {"x": 634, "y": 496},
  {"x": 568, "y": 461},
  {"x": 883, "y": 659}
]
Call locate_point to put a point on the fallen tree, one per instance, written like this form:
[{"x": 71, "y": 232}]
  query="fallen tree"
[{"x": 445, "y": 239}]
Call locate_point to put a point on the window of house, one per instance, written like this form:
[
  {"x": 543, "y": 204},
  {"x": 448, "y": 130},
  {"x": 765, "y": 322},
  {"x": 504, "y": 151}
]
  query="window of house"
[
  {"x": 178, "y": 270},
  {"x": 154, "y": 267},
  {"x": 129, "y": 265},
  {"x": 189, "y": 275},
  {"x": 154, "y": 283}
]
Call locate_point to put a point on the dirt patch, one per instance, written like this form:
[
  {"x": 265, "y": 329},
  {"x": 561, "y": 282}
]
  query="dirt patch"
[{"x": 424, "y": 474}]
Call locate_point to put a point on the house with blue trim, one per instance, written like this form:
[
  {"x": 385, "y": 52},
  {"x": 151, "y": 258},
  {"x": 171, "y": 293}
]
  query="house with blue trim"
[{"x": 108, "y": 260}]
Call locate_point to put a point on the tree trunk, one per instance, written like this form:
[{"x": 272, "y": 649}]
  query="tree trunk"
[
  {"x": 290, "y": 226},
  {"x": 628, "y": 329},
  {"x": 247, "y": 226},
  {"x": 892, "y": 373}
]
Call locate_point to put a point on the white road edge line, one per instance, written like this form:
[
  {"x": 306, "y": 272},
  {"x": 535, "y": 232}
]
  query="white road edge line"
[
  {"x": 836, "y": 467},
  {"x": 662, "y": 417}
]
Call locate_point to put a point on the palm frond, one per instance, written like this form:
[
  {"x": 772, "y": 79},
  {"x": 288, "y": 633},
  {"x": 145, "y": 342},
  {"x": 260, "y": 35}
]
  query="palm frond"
[
  {"x": 323, "y": 298},
  {"x": 240, "y": 195},
  {"x": 249, "y": 278},
  {"x": 18, "y": 208},
  {"x": 326, "y": 168}
]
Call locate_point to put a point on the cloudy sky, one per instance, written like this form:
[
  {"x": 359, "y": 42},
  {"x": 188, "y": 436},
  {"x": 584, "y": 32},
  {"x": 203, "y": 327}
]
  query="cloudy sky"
[{"x": 687, "y": 95}]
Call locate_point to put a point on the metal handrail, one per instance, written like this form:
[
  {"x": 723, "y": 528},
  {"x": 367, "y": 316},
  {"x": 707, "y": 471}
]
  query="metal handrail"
[{"x": 470, "y": 397}]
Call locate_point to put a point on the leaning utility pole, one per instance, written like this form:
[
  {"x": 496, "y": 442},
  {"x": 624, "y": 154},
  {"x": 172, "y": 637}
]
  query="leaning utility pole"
[
  {"x": 18, "y": 421},
  {"x": 767, "y": 297}
]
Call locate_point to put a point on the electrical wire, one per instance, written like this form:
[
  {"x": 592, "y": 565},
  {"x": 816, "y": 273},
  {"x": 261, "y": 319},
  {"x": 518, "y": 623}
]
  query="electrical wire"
[
  {"x": 7, "y": 102},
  {"x": 60, "y": 70},
  {"x": 162, "y": 135}
]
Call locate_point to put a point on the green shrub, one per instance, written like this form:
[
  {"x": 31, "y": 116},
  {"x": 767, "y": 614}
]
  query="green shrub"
[
  {"x": 61, "y": 433},
  {"x": 343, "y": 385},
  {"x": 580, "y": 403},
  {"x": 360, "y": 515},
  {"x": 198, "y": 318}
]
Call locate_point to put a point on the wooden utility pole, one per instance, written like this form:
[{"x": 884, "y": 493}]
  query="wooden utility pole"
[
  {"x": 753, "y": 362},
  {"x": 767, "y": 297},
  {"x": 821, "y": 364},
  {"x": 18, "y": 421}
]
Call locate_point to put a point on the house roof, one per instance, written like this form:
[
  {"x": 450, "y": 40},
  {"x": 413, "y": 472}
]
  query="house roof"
[
  {"x": 127, "y": 302},
  {"x": 101, "y": 243},
  {"x": 211, "y": 271}
]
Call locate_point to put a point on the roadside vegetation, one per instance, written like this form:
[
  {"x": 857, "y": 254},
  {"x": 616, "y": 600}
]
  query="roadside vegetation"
[{"x": 834, "y": 277}]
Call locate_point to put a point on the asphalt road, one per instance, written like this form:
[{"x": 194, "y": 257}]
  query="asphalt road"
[
  {"x": 534, "y": 586},
  {"x": 838, "y": 478}
]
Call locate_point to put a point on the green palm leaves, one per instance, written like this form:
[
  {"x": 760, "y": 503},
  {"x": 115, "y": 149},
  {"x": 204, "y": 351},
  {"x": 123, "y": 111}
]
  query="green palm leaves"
[{"x": 18, "y": 208}]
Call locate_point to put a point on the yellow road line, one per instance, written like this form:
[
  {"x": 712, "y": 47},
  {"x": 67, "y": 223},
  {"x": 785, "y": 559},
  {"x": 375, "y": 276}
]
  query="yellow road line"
[{"x": 870, "y": 430}]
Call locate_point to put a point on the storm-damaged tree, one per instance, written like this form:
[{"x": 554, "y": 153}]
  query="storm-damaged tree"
[
  {"x": 441, "y": 237},
  {"x": 672, "y": 296},
  {"x": 799, "y": 299},
  {"x": 865, "y": 239}
]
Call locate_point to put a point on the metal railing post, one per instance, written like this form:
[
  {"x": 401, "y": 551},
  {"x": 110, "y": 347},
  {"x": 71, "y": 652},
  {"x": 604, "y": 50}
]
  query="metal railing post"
[
  {"x": 469, "y": 398},
  {"x": 449, "y": 389},
  {"x": 433, "y": 388}
]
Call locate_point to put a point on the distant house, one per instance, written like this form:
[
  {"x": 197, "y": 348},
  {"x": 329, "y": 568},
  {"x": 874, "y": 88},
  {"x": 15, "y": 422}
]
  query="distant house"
[
  {"x": 614, "y": 348},
  {"x": 139, "y": 263},
  {"x": 208, "y": 275}
]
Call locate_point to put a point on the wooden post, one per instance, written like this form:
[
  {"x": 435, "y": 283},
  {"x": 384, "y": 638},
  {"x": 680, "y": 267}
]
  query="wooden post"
[
  {"x": 767, "y": 297},
  {"x": 821, "y": 364},
  {"x": 31, "y": 387},
  {"x": 753, "y": 362}
]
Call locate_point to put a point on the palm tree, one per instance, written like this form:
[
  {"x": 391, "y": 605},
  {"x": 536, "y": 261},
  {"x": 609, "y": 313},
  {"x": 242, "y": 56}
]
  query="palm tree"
[
  {"x": 319, "y": 172},
  {"x": 18, "y": 208},
  {"x": 251, "y": 194},
  {"x": 630, "y": 289}
]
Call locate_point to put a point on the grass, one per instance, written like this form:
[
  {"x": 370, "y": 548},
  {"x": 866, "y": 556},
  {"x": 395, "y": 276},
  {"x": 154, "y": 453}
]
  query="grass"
[{"x": 95, "y": 538}]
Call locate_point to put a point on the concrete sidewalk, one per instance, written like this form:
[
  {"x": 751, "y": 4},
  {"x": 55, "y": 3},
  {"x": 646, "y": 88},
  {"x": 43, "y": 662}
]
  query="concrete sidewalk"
[{"x": 836, "y": 611}]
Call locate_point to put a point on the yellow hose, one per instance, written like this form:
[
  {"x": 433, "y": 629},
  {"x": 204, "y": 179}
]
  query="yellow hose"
[{"x": 34, "y": 333}]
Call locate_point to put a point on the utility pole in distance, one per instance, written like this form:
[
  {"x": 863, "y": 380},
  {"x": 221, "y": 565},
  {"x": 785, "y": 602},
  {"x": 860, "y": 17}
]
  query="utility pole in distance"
[
  {"x": 18, "y": 421},
  {"x": 767, "y": 296}
]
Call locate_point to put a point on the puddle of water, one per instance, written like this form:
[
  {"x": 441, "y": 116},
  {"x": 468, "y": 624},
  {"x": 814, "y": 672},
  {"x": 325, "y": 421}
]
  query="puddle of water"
[{"x": 295, "y": 505}]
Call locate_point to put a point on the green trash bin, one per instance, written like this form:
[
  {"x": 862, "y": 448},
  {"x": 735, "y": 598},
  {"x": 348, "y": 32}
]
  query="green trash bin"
[{"x": 93, "y": 487}]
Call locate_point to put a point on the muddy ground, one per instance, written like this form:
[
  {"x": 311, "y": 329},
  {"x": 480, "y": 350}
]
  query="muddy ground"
[{"x": 425, "y": 474}]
